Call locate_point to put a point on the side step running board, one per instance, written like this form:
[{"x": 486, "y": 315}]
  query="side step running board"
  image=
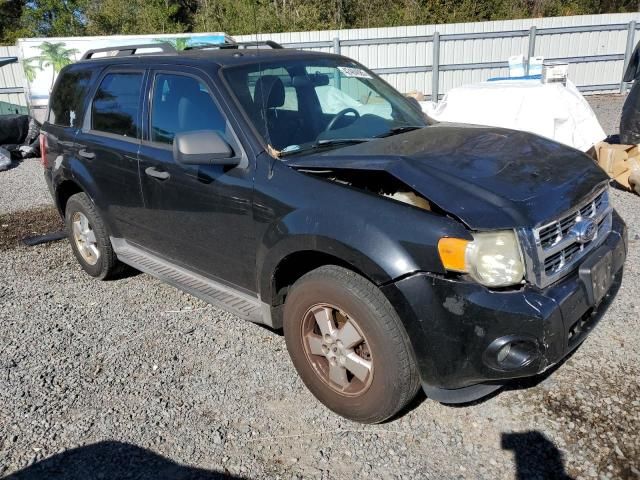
[{"x": 239, "y": 303}]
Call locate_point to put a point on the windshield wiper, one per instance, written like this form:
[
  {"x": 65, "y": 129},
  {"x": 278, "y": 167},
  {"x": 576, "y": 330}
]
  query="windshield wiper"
[
  {"x": 340, "y": 141},
  {"x": 327, "y": 142},
  {"x": 401, "y": 129}
]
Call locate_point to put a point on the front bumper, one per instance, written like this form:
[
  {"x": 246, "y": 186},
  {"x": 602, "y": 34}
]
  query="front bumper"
[{"x": 457, "y": 327}]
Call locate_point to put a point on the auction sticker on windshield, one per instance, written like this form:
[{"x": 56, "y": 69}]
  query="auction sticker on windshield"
[{"x": 354, "y": 72}]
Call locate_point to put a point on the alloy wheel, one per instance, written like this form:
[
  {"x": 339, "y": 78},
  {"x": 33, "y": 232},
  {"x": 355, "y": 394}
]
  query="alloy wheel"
[
  {"x": 337, "y": 349},
  {"x": 85, "y": 238}
]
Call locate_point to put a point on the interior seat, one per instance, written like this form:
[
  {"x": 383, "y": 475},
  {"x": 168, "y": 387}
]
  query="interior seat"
[{"x": 268, "y": 97}]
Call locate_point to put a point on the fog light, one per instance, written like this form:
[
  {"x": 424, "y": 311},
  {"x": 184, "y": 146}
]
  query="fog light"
[
  {"x": 511, "y": 353},
  {"x": 503, "y": 352}
]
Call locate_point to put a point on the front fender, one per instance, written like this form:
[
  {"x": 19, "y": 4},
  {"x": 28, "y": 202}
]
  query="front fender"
[{"x": 381, "y": 249}]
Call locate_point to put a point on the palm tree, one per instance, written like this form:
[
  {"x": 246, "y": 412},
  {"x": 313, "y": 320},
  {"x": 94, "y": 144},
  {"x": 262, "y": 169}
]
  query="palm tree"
[
  {"x": 54, "y": 55},
  {"x": 179, "y": 43},
  {"x": 30, "y": 70}
]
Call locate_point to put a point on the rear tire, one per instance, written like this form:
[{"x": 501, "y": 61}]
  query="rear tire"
[
  {"x": 89, "y": 238},
  {"x": 349, "y": 345}
]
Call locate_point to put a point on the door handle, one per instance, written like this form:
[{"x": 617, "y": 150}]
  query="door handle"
[
  {"x": 88, "y": 155},
  {"x": 152, "y": 172}
]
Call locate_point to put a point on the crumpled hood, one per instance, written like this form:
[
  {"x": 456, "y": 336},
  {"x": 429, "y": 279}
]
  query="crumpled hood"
[{"x": 488, "y": 177}]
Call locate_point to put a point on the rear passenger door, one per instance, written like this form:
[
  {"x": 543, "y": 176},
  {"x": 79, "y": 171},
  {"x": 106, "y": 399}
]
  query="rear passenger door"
[
  {"x": 108, "y": 145},
  {"x": 66, "y": 106},
  {"x": 198, "y": 216}
]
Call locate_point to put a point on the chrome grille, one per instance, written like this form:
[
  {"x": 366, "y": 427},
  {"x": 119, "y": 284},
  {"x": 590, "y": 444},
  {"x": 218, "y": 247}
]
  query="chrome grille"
[
  {"x": 556, "y": 248},
  {"x": 555, "y": 262},
  {"x": 556, "y": 231}
]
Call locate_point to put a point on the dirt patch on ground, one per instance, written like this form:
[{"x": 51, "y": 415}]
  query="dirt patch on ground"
[
  {"x": 603, "y": 422},
  {"x": 37, "y": 221}
]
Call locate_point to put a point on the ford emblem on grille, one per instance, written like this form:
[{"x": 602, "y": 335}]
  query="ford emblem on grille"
[{"x": 584, "y": 231}]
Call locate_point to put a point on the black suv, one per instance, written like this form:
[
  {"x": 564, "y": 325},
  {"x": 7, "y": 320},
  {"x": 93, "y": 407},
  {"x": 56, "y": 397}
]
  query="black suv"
[{"x": 301, "y": 191}]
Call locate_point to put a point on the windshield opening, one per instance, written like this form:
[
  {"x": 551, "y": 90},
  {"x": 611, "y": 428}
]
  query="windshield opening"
[{"x": 303, "y": 104}]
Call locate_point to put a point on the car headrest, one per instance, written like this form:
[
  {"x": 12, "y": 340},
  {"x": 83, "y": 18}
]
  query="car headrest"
[{"x": 269, "y": 92}]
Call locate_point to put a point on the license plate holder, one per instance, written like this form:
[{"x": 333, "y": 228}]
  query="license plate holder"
[{"x": 597, "y": 274}]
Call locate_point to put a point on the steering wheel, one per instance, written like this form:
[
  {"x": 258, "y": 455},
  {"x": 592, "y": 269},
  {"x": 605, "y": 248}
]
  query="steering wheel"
[{"x": 339, "y": 115}]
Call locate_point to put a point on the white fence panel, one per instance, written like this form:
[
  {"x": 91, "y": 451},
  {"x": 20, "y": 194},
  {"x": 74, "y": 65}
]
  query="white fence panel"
[
  {"x": 511, "y": 37},
  {"x": 12, "y": 78},
  {"x": 404, "y": 56}
]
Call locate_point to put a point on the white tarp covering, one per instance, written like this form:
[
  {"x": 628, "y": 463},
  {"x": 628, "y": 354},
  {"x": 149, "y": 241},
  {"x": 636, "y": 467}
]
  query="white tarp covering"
[{"x": 551, "y": 110}]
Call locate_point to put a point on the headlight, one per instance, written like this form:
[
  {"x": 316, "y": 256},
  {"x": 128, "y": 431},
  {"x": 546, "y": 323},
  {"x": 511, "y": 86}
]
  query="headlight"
[{"x": 492, "y": 258}]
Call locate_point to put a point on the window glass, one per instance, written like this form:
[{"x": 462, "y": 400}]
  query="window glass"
[
  {"x": 290, "y": 94},
  {"x": 116, "y": 105},
  {"x": 335, "y": 99},
  {"x": 182, "y": 104},
  {"x": 344, "y": 91},
  {"x": 67, "y": 100}
]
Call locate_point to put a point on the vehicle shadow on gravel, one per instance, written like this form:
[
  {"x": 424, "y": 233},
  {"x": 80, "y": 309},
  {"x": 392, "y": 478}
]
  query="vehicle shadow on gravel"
[
  {"x": 114, "y": 461},
  {"x": 535, "y": 455}
]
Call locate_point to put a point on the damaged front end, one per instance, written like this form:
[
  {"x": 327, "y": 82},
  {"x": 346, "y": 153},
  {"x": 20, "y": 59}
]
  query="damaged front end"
[
  {"x": 475, "y": 305},
  {"x": 377, "y": 182},
  {"x": 474, "y": 339}
]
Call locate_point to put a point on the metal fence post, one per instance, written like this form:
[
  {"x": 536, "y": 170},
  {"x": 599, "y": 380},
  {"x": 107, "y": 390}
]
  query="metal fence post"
[
  {"x": 631, "y": 36},
  {"x": 532, "y": 47},
  {"x": 435, "y": 70},
  {"x": 336, "y": 50},
  {"x": 336, "y": 45}
]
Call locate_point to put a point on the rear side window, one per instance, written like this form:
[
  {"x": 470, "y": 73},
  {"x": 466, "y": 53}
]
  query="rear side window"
[
  {"x": 116, "y": 104},
  {"x": 182, "y": 104},
  {"x": 67, "y": 101}
]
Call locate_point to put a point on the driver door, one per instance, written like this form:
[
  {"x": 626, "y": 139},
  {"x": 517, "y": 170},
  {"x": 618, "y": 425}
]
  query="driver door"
[{"x": 198, "y": 216}]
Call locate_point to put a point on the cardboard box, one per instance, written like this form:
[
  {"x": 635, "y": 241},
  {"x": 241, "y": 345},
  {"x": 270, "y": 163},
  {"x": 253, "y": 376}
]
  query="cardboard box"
[
  {"x": 620, "y": 162},
  {"x": 634, "y": 181},
  {"x": 419, "y": 96}
]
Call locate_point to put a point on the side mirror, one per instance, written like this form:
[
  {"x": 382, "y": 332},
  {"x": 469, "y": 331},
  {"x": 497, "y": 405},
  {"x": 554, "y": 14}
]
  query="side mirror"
[{"x": 203, "y": 147}]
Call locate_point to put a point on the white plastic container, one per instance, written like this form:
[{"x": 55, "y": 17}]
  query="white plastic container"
[
  {"x": 535, "y": 65},
  {"x": 516, "y": 66}
]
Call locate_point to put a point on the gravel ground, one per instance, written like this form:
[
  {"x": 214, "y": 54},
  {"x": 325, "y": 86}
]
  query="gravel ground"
[
  {"x": 23, "y": 187},
  {"x": 134, "y": 379},
  {"x": 607, "y": 108}
]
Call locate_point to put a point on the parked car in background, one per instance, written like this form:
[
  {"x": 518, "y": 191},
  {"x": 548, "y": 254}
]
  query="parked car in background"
[{"x": 301, "y": 191}]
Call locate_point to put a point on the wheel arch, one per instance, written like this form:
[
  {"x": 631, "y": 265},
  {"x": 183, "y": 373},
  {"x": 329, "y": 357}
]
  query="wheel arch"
[
  {"x": 64, "y": 191},
  {"x": 74, "y": 178},
  {"x": 295, "y": 255},
  {"x": 297, "y": 264}
]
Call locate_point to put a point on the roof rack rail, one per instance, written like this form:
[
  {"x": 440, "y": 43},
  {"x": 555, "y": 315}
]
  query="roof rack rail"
[
  {"x": 237, "y": 45},
  {"x": 127, "y": 50},
  {"x": 7, "y": 60}
]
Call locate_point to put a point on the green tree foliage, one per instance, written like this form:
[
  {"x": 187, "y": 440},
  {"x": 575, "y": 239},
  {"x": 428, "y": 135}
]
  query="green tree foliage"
[
  {"x": 10, "y": 13},
  {"x": 127, "y": 17},
  {"x": 53, "y": 55},
  {"x": 30, "y": 70},
  {"x": 179, "y": 43},
  {"x": 53, "y": 18},
  {"x": 108, "y": 17}
]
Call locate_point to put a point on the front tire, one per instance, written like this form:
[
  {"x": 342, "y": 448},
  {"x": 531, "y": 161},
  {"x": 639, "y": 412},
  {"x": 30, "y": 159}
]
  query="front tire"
[
  {"x": 349, "y": 345},
  {"x": 89, "y": 238}
]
